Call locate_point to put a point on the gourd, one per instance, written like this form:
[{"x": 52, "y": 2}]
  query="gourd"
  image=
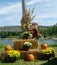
[
  {"x": 44, "y": 46},
  {"x": 30, "y": 57},
  {"x": 7, "y": 47}
]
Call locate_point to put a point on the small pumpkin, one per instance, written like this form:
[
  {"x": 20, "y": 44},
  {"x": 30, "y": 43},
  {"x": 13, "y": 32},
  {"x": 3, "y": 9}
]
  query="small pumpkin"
[
  {"x": 44, "y": 46},
  {"x": 7, "y": 47},
  {"x": 30, "y": 57}
]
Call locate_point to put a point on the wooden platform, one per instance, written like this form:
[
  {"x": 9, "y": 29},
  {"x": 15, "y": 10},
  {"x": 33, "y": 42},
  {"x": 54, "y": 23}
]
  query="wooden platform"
[{"x": 18, "y": 44}]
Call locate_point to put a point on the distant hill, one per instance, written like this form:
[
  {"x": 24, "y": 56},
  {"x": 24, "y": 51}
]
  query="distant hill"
[
  {"x": 44, "y": 27},
  {"x": 17, "y": 28},
  {"x": 10, "y": 29}
]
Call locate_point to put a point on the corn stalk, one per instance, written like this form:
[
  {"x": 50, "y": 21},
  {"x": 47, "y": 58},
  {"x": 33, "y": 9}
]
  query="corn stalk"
[{"x": 26, "y": 19}]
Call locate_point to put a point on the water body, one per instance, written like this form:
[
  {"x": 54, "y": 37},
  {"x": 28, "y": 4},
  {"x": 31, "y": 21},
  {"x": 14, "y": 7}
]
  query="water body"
[
  {"x": 48, "y": 41},
  {"x": 6, "y": 41},
  {"x": 40, "y": 41}
]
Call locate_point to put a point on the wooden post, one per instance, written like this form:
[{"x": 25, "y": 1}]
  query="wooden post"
[{"x": 23, "y": 6}]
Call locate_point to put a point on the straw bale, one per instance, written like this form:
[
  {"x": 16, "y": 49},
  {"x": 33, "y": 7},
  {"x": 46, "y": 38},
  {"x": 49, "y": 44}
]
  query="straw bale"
[
  {"x": 18, "y": 44},
  {"x": 35, "y": 52}
]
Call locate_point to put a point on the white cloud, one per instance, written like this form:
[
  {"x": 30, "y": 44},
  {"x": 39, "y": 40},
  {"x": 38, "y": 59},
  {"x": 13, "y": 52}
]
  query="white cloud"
[
  {"x": 12, "y": 13},
  {"x": 47, "y": 15},
  {"x": 10, "y": 20},
  {"x": 16, "y": 6},
  {"x": 11, "y": 8},
  {"x": 35, "y": 1}
]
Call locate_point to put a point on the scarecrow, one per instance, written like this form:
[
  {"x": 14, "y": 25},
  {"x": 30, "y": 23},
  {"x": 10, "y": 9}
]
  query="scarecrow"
[{"x": 35, "y": 31}]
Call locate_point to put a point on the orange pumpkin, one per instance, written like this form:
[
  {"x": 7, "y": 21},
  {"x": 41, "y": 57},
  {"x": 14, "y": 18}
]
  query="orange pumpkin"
[
  {"x": 7, "y": 47},
  {"x": 44, "y": 46},
  {"x": 30, "y": 57}
]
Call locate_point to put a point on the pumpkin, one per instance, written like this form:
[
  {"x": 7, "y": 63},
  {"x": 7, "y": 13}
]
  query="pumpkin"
[
  {"x": 30, "y": 57},
  {"x": 7, "y": 47},
  {"x": 44, "y": 46}
]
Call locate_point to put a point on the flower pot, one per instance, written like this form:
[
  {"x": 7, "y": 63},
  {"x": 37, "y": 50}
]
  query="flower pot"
[
  {"x": 9, "y": 59},
  {"x": 14, "y": 60},
  {"x": 26, "y": 49}
]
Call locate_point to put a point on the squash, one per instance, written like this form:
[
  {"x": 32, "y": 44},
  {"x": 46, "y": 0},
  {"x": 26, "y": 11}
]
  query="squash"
[
  {"x": 30, "y": 57},
  {"x": 44, "y": 46},
  {"x": 7, "y": 47}
]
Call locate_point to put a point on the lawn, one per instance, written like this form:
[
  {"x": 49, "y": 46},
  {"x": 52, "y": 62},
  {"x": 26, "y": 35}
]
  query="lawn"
[{"x": 36, "y": 62}]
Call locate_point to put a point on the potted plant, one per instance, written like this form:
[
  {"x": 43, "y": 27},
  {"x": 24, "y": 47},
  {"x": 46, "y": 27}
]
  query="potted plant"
[
  {"x": 25, "y": 35},
  {"x": 48, "y": 53},
  {"x": 11, "y": 56},
  {"x": 27, "y": 46}
]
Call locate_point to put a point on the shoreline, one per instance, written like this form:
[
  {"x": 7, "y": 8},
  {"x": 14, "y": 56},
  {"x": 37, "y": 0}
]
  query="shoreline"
[
  {"x": 49, "y": 38},
  {"x": 39, "y": 38}
]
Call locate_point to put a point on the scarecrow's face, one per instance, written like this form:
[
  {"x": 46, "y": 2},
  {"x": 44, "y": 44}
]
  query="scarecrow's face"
[{"x": 35, "y": 26}]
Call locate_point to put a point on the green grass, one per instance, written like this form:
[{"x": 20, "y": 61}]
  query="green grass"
[
  {"x": 36, "y": 62},
  {"x": 1, "y": 45}
]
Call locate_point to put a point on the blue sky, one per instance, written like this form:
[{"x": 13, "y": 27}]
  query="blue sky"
[{"x": 11, "y": 12}]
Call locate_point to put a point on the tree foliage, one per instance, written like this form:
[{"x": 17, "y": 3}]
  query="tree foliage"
[
  {"x": 45, "y": 31},
  {"x": 50, "y": 31}
]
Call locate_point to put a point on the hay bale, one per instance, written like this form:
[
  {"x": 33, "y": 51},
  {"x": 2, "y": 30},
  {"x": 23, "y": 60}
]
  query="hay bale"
[
  {"x": 18, "y": 44},
  {"x": 35, "y": 52}
]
